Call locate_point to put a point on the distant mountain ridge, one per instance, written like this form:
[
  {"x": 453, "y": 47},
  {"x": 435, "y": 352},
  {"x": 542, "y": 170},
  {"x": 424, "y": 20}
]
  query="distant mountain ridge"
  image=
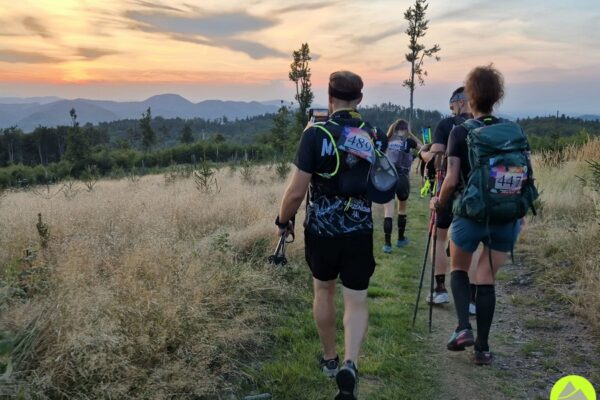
[
  {"x": 590, "y": 117},
  {"x": 29, "y": 113}
]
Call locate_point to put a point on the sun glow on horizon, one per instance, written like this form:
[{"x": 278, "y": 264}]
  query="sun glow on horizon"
[{"x": 249, "y": 43}]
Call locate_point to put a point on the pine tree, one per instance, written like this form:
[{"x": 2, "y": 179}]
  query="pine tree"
[
  {"x": 148, "y": 134},
  {"x": 279, "y": 138},
  {"x": 78, "y": 145},
  {"x": 300, "y": 74},
  {"x": 187, "y": 136}
]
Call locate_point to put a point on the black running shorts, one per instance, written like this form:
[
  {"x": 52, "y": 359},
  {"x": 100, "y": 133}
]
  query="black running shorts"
[
  {"x": 350, "y": 257},
  {"x": 444, "y": 216}
]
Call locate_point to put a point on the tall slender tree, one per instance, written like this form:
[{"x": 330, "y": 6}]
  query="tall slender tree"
[
  {"x": 148, "y": 134},
  {"x": 300, "y": 74},
  {"x": 187, "y": 136},
  {"x": 417, "y": 29},
  {"x": 78, "y": 144},
  {"x": 279, "y": 137}
]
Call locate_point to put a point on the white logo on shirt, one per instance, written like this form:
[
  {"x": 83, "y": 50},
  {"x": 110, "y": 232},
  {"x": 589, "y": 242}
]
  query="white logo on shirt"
[{"x": 326, "y": 148}]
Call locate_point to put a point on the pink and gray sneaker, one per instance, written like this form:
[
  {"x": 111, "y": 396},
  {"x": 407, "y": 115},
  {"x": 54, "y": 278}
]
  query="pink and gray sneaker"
[{"x": 461, "y": 339}]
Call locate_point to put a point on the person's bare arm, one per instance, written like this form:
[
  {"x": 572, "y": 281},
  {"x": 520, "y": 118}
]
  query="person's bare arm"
[
  {"x": 293, "y": 195},
  {"x": 435, "y": 149}
]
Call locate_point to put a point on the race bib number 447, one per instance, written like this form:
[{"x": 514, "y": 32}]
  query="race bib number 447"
[
  {"x": 508, "y": 181},
  {"x": 357, "y": 142}
]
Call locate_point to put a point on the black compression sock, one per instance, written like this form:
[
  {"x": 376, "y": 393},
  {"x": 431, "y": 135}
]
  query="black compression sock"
[
  {"x": 440, "y": 281},
  {"x": 459, "y": 282},
  {"x": 401, "y": 226},
  {"x": 485, "y": 302},
  {"x": 387, "y": 230},
  {"x": 473, "y": 292}
]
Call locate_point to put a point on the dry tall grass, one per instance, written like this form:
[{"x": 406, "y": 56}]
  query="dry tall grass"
[
  {"x": 146, "y": 290},
  {"x": 566, "y": 235}
]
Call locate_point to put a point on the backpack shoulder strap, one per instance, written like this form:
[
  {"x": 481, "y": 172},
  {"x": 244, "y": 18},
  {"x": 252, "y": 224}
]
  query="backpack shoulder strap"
[
  {"x": 329, "y": 175},
  {"x": 472, "y": 123}
]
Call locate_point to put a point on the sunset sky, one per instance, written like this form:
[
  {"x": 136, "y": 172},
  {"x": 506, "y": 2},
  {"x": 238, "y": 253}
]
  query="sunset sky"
[{"x": 549, "y": 51}]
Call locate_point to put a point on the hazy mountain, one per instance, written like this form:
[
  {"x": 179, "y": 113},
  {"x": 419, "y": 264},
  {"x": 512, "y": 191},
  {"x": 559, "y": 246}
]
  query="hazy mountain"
[
  {"x": 28, "y": 115},
  {"x": 57, "y": 113},
  {"x": 28, "y": 100}
]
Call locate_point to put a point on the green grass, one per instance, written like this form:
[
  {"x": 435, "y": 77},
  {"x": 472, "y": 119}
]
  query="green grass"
[
  {"x": 520, "y": 300},
  {"x": 537, "y": 347},
  {"x": 392, "y": 363},
  {"x": 541, "y": 323}
]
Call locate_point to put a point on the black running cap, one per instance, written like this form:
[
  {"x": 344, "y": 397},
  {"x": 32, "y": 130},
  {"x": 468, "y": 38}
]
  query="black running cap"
[{"x": 347, "y": 96}]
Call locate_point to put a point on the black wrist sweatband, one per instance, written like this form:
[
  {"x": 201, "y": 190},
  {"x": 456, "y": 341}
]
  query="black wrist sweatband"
[{"x": 281, "y": 225}]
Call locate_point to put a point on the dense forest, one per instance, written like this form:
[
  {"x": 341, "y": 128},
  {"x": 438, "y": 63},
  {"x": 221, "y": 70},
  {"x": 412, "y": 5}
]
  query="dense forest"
[
  {"x": 557, "y": 132},
  {"x": 53, "y": 153}
]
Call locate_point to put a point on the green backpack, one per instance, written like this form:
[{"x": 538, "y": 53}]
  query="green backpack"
[{"x": 500, "y": 187}]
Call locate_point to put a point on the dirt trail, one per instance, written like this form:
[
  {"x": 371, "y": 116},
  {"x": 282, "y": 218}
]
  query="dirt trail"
[{"x": 536, "y": 341}]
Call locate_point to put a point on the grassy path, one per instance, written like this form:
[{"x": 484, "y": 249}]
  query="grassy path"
[
  {"x": 392, "y": 365},
  {"x": 535, "y": 339}
]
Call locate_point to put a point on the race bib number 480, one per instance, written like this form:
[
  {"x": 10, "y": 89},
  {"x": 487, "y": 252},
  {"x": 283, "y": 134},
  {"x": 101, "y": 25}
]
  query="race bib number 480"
[
  {"x": 357, "y": 142},
  {"x": 509, "y": 180}
]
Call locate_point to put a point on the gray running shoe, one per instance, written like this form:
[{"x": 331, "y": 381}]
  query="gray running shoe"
[
  {"x": 347, "y": 381},
  {"x": 330, "y": 367}
]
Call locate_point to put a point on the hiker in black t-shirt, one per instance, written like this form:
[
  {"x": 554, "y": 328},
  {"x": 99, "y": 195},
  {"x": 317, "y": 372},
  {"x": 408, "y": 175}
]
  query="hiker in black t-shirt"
[
  {"x": 459, "y": 106},
  {"x": 484, "y": 87},
  {"x": 338, "y": 229},
  {"x": 401, "y": 144}
]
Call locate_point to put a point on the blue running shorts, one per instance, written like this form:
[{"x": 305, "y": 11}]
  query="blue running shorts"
[{"x": 467, "y": 234}]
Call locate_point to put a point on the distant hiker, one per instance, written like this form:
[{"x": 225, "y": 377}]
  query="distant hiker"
[
  {"x": 426, "y": 172},
  {"x": 332, "y": 163},
  {"x": 459, "y": 106},
  {"x": 401, "y": 144},
  {"x": 489, "y": 167}
]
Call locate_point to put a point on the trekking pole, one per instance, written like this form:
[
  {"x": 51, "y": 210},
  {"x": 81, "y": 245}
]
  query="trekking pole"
[
  {"x": 432, "y": 268},
  {"x": 438, "y": 186},
  {"x": 278, "y": 257},
  {"x": 431, "y": 220}
]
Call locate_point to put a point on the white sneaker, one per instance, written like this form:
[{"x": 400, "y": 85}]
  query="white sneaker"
[
  {"x": 439, "y": 297},
  {"x": 472, "y": 309}
]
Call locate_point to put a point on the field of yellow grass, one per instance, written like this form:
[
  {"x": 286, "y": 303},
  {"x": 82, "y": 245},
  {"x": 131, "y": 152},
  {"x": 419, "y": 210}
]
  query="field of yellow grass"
[
  {"x": 146, "y": 289},
  {"x": 565, "y": 238},
  {"x": 154, "y": 289}
]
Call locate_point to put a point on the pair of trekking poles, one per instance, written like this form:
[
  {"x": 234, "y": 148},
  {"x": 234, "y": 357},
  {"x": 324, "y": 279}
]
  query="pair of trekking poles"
[{"x": 432, "y": 233}]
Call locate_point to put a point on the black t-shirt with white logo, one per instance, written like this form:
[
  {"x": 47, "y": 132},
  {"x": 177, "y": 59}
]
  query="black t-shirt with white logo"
[{"x": 330, "y": 212}]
